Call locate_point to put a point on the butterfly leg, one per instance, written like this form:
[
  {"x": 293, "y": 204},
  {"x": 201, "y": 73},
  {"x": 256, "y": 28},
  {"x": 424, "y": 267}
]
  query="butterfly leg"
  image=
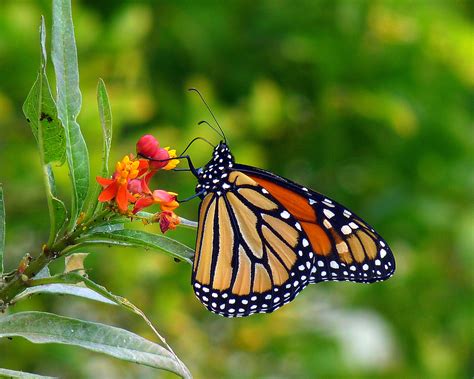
[
  {"x": 187, "y": 157},
  {"x": 182, "y": 169},
  {"x": 190, "y": 164},
  {"x": 191, "y": 197}
]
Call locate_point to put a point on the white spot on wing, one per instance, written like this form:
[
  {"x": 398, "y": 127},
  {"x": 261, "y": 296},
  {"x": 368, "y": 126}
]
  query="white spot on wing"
[
  {"x": 328, "y": 213},
  {"x": 346, "y": 229},
  {"x": 285, "y": 214}
]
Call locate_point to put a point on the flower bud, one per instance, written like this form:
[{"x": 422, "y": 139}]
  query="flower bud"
[
  {"x": 135, "y": 186},
  {"x": 160, "y": 155},
  {"x": 147, "y": 146}
]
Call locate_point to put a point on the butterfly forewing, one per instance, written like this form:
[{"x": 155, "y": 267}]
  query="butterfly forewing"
[
  {"x": 346, "y": 248},
  {"x": 252, "y": 255}
]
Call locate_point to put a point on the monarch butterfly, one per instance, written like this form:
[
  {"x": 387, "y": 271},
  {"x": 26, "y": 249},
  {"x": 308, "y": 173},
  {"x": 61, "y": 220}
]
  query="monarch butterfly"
[{"x": 262, "y": 239}]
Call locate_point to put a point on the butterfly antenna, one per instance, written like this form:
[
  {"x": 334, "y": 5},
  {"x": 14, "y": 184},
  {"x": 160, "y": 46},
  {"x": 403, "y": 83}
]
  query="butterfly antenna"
[
  {"x": 211, "y": 126},
  {"x": 194, "y": 140},
  {"x": 210, "y": 111}
]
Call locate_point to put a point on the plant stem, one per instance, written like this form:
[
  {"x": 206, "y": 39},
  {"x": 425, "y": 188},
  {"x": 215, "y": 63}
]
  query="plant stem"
[{"x": 49, "y": 253}]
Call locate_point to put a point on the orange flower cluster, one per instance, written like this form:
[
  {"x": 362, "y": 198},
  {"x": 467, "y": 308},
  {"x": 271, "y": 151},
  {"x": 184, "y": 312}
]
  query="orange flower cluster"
[{"x": 129, "y": 184}]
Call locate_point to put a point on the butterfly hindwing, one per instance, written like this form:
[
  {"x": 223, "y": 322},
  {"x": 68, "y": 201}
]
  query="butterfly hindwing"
[{"x": 252, "y": 255}]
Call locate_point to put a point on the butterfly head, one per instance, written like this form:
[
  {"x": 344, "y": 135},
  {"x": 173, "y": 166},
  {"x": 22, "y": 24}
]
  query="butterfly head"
[{"x": 213, "y": 177}]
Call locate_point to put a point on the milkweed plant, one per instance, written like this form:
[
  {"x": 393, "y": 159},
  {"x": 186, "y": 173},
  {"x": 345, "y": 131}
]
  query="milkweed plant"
[{"x": 98, "y": 215}]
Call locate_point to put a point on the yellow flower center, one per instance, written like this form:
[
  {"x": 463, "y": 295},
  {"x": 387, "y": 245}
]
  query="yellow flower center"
[
  {"x": 126, "y": 169},
  {"x": 173, "y": 162}
]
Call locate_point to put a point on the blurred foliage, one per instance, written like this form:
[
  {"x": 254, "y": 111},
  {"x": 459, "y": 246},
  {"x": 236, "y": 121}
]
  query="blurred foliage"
[{"x": 369, "y": 102}]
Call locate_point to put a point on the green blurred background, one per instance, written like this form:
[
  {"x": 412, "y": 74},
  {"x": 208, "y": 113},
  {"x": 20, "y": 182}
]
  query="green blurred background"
[{"x": 368, "y": 102}]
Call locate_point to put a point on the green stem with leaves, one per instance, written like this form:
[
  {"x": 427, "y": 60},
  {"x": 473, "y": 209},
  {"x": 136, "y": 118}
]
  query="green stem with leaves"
[{"x": 20, "y": 279}]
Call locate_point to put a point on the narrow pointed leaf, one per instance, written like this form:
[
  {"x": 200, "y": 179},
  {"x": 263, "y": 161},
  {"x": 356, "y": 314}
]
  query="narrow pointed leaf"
[
  {"x": 112, "y": 227},
  {"x": 69, "y": 283},
  {"x": 63, "y": 289},
  {"x": 40, "y": 111},
  {"x": 4, "y": 373},
  {"x": 41, "y": 327},
  {"x": 64, "y": 56},
  {"x": 105, "y": 115},
  {"x": 2, "y": 229},
  {"x": 138, "y": 238}
]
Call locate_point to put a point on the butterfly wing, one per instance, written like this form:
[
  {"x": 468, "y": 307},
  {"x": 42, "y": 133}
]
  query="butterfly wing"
[
  {"x": 346, "y": 248},
  {"x": 252, "y": 255}
]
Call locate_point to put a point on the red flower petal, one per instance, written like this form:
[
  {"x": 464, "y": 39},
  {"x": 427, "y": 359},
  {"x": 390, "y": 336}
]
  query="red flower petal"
[
  {"x": 162, "y": 196},
  {"x": 103, "y": 181},
  {"x": 142, "y": 203},
  {"x": 168, "y": 220},
  {"x": 164, "y": 224},
  {"x": 122, "y": 198},
  {"x": 142, "y": 166},
  {"x": 135, "y": 186},
  {"x": 109, "y": 192}
]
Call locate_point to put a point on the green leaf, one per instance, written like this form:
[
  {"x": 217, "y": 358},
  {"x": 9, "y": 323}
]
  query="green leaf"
[
  {"x": 73, "y": 283},
  {"x": 138, "y": 238},
  {"x": 2, "y": 228},
  {"x": 40, "y": 111},
  {"x": 41, "y": 327},
  {"x": 105, "y": 114},
  {"x": 64, "y": 55},
  {"x": 57, "y": 209},
  {"x": 4, "y": 373},
  {"x": 63, "y": 289},
  {"x": 69, "y": 283},
  {"x": 110, "y": 227}
]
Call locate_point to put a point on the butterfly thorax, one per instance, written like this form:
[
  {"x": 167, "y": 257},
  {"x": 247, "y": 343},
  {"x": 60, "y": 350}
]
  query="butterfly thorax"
[{"x": 213, "y": 177}]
